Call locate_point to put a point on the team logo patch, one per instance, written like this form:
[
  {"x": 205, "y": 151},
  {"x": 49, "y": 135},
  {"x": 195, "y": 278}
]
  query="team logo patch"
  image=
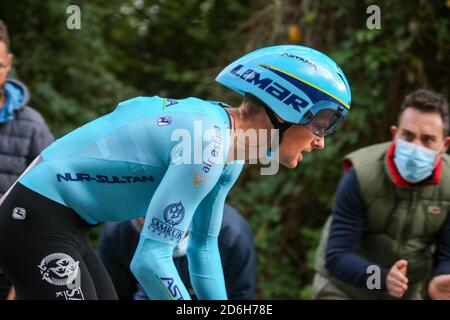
[
  {"x": 19, "y": 213},
  {"x": 174, "y": 213},
  {"x": 164, "y": 121},
  {"x": 59, "y": 269},
  {"x": 74, "y": 294}
]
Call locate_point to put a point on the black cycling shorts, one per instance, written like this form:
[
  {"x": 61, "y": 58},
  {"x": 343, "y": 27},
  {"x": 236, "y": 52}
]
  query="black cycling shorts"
[{"x": 44, "y": 250}]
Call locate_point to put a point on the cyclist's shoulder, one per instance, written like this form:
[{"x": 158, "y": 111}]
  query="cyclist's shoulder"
[
  {"x": 170, "y": 103},
  {"x": 193, "y": 104},
  {"x": 140, "y": 101},
  {"x": 173, "y": 105},
  {"x": 192, "y": 109}
]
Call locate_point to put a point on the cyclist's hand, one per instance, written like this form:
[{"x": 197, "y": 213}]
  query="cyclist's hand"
[{"x": 396, "y": 281}]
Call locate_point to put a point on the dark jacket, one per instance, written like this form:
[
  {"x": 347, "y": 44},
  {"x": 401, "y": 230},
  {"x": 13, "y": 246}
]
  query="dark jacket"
[
  {"x": 23, "y": 134},
  {"x": 118, "y": 242}
]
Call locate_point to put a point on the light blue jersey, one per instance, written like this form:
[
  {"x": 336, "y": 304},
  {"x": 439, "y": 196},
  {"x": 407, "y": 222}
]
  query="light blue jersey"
[{"x": 164, "y": 159}]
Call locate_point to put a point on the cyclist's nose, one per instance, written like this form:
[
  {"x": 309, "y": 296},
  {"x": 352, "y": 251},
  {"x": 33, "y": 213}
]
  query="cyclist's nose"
[{"x": 318, "y": 143}]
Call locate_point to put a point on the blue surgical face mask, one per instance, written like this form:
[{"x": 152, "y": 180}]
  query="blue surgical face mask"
[{"x": 414, "y": 163}]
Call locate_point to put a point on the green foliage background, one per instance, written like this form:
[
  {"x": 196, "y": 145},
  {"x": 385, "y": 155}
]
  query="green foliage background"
[{"x": 175, "y": 48}]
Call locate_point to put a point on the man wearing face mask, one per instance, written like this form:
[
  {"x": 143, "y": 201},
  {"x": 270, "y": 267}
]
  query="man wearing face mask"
[
  {"x": 118, "y": 242},
  {"x": 389, "y": 233}
]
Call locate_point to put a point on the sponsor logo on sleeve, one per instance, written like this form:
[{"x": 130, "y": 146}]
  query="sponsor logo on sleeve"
[
  {"x": 173, "y": 215},
  {"x": 172, "y": 289}
]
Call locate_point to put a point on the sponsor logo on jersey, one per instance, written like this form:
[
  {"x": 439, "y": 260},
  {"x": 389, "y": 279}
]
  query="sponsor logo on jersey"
[
  {"x": 19, "y": 213},
  {"x": 169, "y": 102},
  {"x": 59, "y": 269},
  {"x": 215, "y": 150},
  {"x": 198, "y": 179},
  {"x": 173, "y": 290},
  {"x": 174, "y": 213},
  {"x": 86, "y": 177},
  {"x": 304, "y": 60},
  {"x": 168, "y": 230},
  {"x": 164, "y": 121},
  {"x": 74, "y": 294}
]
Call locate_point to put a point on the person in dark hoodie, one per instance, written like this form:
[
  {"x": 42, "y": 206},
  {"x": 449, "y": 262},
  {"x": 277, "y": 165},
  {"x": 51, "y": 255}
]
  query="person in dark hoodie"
[{"x": 23, "y": 131}]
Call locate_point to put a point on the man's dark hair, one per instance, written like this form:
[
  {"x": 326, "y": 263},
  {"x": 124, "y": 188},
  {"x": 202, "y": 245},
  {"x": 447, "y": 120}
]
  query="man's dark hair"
[
  {"x": 427, "y": 101},
  {"x": 4, "y": 34}
]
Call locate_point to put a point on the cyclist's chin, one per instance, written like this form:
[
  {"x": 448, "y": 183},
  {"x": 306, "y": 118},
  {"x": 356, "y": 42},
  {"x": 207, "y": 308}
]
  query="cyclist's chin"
[{"x": 290, "y": 163}]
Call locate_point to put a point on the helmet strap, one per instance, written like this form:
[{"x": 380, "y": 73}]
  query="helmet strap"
[{"x": 277, "y": 124}]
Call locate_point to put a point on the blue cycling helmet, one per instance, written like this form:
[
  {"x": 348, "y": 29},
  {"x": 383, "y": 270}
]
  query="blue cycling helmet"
[{"x": 299, "y": 84}]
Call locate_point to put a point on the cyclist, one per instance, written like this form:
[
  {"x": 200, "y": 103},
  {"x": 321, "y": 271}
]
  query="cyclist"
[{"x": 127, "y": 164}]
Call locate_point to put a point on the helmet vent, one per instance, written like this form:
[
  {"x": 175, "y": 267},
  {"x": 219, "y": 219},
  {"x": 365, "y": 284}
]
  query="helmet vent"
[{"x": 345, "y": 83}]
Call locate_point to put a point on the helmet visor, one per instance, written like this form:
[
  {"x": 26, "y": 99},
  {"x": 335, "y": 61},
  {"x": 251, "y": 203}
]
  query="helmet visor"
[{"x": 324, "y": 117}]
